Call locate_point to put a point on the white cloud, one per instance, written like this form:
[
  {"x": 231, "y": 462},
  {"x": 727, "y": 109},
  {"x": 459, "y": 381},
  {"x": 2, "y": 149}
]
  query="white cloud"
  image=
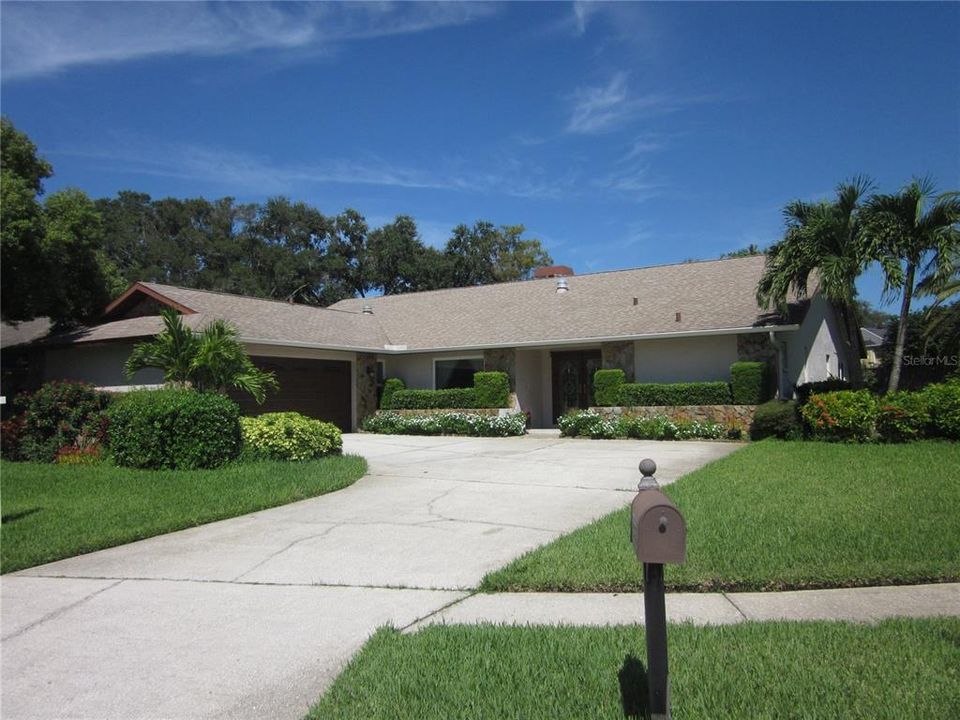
[{"x": 44, "y": 38}]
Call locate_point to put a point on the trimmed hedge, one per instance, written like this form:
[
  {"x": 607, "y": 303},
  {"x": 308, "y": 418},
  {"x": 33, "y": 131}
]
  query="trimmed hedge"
[
  {"x": 174, "y": 428},
  {"x": 288, "y": 436},
  {"x": 60, "y": 414},
  {"x": 432, "y": 399},
  {"x": 776, "y": 418},
  {"x": 606, "y": 386},
  {"x": 902, "y": 416},
  {"x": 390, "y": 386},
  {"x": 594, "y": 425},
  {"x": 469, "y": 424},
  {"x": 749, "y": 383},
  {"x": 492, "y": 389},
  {"x": 695, "y": 393},
  {"x": 943, "y": 401}
]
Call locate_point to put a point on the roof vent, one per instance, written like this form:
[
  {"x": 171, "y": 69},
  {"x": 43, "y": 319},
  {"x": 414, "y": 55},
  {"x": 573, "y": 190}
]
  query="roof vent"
[
  {"x": 367, "y": 310},
  {"x": 562, "y": 285}
]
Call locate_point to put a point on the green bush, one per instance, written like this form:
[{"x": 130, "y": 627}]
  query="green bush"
[
  {"x": 57, "y": 415},
  {"x": 288, "y": 436},
  {"x": 433, "y": 399},
  {"x": 902, "y": 416},
  {"x": 174, "y": 428},
  {"x": 492, "y": 389},
  {"x": 943, "y": 400},
  {"x": 750, "y": 383},
  {"x": 471, "y": 424},
  {"x": 606, "y": 386},
  {"x": 591, "y": 424},
  {"x": 390, "y": 386},
  {"x": 845, "y": 415},
  {"x": 696, "y": 393},
  {"x": 776, "y": 418},
  {"x": 805, "y": 390}
]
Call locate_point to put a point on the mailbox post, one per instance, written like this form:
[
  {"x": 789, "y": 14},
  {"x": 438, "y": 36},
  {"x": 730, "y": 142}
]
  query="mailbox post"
[{"x": 659, "y": 536}]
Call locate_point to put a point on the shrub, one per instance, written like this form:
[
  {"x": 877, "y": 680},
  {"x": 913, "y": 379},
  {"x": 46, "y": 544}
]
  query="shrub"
[
  {"x": 606, "y": 386},
  {"x": 447, "y": 424},
  {"x": 749, "y": 383},
  {"x": 594, "y": 425},
  {"x": 73, "y": 455},
  {"x": 56, "y": 414},
  {"x": 776, "y": 418},
  {"x": 902, "y": 416},
  {"x": 846, "y": 415},
  {"x": 943, "y": 400},
  {"x": 433, "y": 399},
  {"x": 11, "y": 436},
  {"x": 288, "y": 436},
  {"x": 805, "y": 390},
  {"x": 492, "y": 389},
  {"x": 698, "y": 393},
  {"x": 575, "y": 423},
  {"x": 390, "y": 386},
  {"x": 174, "y": 428}
]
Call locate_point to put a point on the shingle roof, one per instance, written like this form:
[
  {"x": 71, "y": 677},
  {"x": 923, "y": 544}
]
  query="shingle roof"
[
  {"x": 709, "y": 296},
  {"x": 13, "y": 334}
]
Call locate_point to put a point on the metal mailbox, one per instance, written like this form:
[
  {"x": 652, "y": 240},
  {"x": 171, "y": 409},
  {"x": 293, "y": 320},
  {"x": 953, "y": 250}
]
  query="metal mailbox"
[{"x": 657, "y": 529}]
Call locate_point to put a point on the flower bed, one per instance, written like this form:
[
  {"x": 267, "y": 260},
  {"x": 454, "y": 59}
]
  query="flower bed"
[
  {"x": 449, "y": 423},
  {"x": 595, "y": 425}
]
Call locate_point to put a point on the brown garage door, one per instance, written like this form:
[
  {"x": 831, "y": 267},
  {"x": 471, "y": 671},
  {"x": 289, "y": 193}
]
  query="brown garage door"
[{"x": 316, "y": 388}]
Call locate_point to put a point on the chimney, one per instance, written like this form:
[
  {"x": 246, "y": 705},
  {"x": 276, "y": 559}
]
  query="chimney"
[{"x": 552, "y": 271}]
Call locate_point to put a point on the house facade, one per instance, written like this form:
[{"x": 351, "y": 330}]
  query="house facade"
[{"x": 671, "y": 323}]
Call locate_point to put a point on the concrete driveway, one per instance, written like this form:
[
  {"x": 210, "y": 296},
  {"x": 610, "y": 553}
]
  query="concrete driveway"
[{"x": 255, "y": 616}]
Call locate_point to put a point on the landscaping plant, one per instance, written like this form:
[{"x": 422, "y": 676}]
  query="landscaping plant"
[
  {"x": 845, "y": 415},
  {"x": 390, "y": 386},
  {"x": 749, "y": 383},
  {"x": 594, "y": 425},
  {"x": 694, "y": 393},
  {"x": 288, "y": 436},
  {"x": 902, "y": 416},
  {"x": 174, "y": 428},
  {"x": 606, "y": 386},
  {"x": 943, "y": 400},
  {"x": 776, "y": 418},
  {"x": 57, "y": 414},
  {"x": 492, "y": 389},
  {"x": 470, "y": 424}
]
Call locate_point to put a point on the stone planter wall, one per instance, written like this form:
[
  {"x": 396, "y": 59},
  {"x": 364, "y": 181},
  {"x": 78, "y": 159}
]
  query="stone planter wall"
[{"x": 731, "y": 415}]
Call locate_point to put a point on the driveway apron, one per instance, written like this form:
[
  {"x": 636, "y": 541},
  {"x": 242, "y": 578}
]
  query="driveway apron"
[{"x": 255, "y": 616}]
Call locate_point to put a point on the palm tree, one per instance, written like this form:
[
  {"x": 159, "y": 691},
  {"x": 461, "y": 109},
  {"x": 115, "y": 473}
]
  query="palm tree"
[
  {"x": 212, "y": 359},
  {"x": 822, "y": 237},
  {"x": 916, "y": 244}
]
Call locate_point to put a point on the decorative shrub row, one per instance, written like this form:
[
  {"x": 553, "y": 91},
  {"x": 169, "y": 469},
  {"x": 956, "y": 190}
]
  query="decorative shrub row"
[
  {"x": 174, "y": 428},
  {"x": 593, "y": 425},
  {"x": 389, "y": 423},
  {"x": 490, "y": 390},
  {"x": 288, "y": 436},
  {"x": 694, "y": 393},
  {"x": 859, "y": 416},
  {"x": 777, "y": 418},
  {"x": 59, "y": 415}
]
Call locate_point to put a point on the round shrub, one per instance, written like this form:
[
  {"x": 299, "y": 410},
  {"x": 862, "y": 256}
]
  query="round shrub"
[
  {"x": 943, "y": 400},
  {"x": 57, "y": 414},
  {"x": 845, "y": 415},
  {"x": 902, "y": 416},
  {"x": 288, "y": 436},
  {"x": 777, "y": 418},
  {"x": 174, "y": 428}
]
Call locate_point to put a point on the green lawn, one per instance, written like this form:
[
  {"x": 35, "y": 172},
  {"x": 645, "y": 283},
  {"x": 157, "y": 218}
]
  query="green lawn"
[
  {"x": 896, "y": 669},
  {"x": 57, "y": 511},
  {"x": 781, "y": 515}
]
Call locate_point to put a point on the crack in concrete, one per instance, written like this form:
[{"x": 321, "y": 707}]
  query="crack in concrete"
[
  {"x": 726, "y": 596},
  {"x": 60, "y": 611},
  {"x": 253, "y": 583}
]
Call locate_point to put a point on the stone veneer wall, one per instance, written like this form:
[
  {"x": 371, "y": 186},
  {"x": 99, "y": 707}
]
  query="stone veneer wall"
[
  {"x": 735, "y": 415},
  {"x": 366, "y": 385},
  {"x": 618, "y": 356},
  {"x": 502, "y": 360}
]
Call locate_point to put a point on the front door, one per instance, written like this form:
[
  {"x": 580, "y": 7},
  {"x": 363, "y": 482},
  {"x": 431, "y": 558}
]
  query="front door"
[{"x": 573, "y": 380}]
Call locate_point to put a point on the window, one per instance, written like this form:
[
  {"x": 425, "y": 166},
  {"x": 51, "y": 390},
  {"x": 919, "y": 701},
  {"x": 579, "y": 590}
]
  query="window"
[{"x": 455, "y": 372}]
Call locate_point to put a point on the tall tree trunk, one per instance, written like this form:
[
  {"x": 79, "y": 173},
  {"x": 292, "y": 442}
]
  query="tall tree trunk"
[
  {"x": 848, "y": 315},
  {"x": 901, "y": 329}
]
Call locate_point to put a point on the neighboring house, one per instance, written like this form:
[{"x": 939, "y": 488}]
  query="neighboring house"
[
  {"x": 873, "y": 340},
  {"x": 669, "y": 323}
]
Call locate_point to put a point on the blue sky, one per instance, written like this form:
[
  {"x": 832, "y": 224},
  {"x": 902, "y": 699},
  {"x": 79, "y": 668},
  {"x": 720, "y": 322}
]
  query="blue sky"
[{"x": 619, "y": 134}]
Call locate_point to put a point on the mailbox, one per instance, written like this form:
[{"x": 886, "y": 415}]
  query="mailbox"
[{"x": 657, "y": 529}]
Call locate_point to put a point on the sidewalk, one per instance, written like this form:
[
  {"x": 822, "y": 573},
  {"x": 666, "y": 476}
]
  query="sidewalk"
[{"x": 854, "y": 604}]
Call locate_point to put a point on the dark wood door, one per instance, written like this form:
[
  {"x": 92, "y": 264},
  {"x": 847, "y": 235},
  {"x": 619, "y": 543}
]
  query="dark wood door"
[{"x": 573, "y": 380}]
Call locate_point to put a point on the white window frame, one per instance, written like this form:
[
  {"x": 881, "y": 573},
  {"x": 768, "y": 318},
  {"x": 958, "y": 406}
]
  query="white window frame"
[{"x": 433, "y": 375}]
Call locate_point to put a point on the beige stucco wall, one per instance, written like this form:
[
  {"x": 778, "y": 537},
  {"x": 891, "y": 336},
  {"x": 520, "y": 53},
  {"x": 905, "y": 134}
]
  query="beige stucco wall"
[
  {"x": 685, "y": 359},
  {"x": 814, "y": 351},
  {"x": 416, "y": 369},
  {"x": 531, "y": 383}
]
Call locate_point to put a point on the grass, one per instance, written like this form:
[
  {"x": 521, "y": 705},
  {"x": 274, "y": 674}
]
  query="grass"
[
  {"x": 56, "y": 511},
  {"x": 781, "y": 515},
  {"x": 895, "y": 669}
]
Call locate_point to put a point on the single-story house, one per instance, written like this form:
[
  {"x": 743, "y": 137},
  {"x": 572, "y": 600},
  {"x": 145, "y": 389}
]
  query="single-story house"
[{"x": 669, "y": 323}]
